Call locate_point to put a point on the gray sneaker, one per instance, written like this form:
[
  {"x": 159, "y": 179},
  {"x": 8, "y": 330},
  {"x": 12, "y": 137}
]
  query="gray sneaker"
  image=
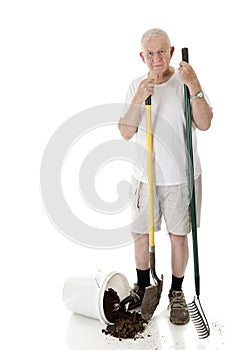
[{"x": 179, "y": 314}]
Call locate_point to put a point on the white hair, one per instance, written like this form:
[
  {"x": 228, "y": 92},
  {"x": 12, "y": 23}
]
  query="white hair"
[{"x": 154, "y": 32}]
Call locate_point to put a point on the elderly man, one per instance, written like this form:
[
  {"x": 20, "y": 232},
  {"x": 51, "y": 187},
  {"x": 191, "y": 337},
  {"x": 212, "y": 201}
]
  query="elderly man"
[{"x": 165, "y": 85}]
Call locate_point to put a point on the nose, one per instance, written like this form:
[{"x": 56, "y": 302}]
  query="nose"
[{"x": 156, "y": 55}]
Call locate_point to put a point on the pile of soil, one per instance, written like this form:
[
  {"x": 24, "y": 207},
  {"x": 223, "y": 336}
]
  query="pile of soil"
[{"x": 125, "y": 324}]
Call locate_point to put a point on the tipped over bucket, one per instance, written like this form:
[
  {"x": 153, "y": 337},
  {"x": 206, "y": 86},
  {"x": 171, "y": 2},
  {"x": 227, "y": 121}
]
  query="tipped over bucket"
[{"x": 84, "y": 294}]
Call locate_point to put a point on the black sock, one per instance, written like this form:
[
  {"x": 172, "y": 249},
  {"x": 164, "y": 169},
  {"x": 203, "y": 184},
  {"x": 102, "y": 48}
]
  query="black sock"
[
  {"x": 143, "y": 279},
  {"x": 177, "y": 283}
]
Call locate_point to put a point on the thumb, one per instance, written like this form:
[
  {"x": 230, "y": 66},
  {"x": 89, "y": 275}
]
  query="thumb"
[{"x": 152, "y": 75}]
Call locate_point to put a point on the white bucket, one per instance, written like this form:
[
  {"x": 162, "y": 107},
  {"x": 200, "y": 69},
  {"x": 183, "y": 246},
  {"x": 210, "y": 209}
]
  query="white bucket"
[{"x": 84, "y": 295}]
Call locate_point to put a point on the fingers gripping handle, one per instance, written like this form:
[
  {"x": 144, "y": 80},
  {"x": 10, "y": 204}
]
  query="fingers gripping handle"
[{"x": 185, "y": 54}]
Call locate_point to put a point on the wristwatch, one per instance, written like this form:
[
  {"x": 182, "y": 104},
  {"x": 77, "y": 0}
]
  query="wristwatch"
[{"x": 200, "y": 94}]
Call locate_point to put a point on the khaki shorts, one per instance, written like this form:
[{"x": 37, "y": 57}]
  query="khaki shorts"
[{"x": 170, "y": 202}]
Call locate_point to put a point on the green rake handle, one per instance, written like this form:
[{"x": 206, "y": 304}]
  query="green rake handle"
[{"x": 188, "y": 116}]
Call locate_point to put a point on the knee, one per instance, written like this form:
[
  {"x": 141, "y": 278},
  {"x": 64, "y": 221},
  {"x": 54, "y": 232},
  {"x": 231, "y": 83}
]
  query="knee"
[
  {"x": 178, "y": 239},
  {"x": 141, "y": 239}
]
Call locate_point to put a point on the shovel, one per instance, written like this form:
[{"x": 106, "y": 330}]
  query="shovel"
[
  {"x": 152, "y": 293},
  {"x": 195, "y": 309}
]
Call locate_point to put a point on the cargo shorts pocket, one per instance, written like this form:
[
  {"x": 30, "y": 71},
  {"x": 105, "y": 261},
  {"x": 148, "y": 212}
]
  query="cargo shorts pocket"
[{"x": 136, "y": 193}]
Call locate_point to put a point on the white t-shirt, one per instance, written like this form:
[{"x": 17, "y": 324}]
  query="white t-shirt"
[{"x": 169, "y": 134}]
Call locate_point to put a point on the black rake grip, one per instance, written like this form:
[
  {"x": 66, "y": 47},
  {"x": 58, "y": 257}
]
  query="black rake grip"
[{"x": 185, "y": 55}]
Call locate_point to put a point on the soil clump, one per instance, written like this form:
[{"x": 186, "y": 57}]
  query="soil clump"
[{"x": 125, "y": 324}]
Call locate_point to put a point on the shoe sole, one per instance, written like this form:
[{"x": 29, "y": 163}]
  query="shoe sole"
[{"x": 180, "y": 323}]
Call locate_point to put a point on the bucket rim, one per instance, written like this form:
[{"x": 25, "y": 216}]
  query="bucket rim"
[{"x": 106, "y": 279}]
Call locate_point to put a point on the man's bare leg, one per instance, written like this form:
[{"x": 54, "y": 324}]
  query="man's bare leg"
[
  {"x": 141, "y": 251},
  {"x": 179, "y": 254}
]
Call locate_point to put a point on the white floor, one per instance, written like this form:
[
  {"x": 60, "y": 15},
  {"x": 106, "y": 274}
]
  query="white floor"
[
  {"x": 33, "y": 315},
  {"x": 38, "y": 260},
  {"x": 85, "y": 333}
]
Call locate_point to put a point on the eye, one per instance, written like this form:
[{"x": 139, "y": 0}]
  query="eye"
[
  {"x": 161, "y": 52},
  {"x": 149, "y": 54}
]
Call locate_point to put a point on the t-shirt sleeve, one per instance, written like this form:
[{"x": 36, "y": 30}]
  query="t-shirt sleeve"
[
  {"x": 129, "y": 97},
  {"x": 133, "y": 87},
  {"x": 130, "y": 93}
]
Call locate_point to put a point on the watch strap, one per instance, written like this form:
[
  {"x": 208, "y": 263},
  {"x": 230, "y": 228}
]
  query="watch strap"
[{"x": 200, "y": 94}]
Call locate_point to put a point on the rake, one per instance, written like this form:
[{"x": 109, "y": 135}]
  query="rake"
[{"x": 195, "y": 309}]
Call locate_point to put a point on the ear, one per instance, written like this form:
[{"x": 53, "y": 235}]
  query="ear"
[
  {"x": 172, "y": 49},
  {"x": 142, "y": 57}
]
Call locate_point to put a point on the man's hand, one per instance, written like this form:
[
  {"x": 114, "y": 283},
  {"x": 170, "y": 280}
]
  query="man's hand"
[
  {"x": 189, "y": 77},
  {"x": 145, "y": 89}
]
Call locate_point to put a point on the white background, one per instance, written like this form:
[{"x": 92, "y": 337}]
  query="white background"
[{"x": 57, "y": 59}]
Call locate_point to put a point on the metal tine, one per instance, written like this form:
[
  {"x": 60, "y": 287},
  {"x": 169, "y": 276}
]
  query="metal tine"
[
  {"x": 198, "y": 323},
  {"x": 202, "y": 332},
  {"x": 203, "y": 335},
  {"x": 199, "y": 319},
  {"x": 200, "y": 326}
]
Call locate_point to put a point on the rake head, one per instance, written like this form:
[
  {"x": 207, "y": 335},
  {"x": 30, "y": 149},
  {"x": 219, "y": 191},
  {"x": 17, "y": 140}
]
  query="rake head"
[{"x": 199, "y": 319}]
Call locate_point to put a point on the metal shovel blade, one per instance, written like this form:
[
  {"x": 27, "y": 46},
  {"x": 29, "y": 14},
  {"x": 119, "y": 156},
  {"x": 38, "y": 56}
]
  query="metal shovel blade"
[{"x": 151, "y": 300}]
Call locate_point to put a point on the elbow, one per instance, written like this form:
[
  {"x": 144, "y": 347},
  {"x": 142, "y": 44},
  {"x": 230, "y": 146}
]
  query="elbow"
[
  {"x": 126, "y": 135},
  {"x": 127, "y": 132},
  {"x": 206, "y": 124},
  {"x": 204, "y": 128}
]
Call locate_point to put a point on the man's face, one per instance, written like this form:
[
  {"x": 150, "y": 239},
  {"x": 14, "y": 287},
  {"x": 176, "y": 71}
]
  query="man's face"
[{"x": 157, "y": 53}]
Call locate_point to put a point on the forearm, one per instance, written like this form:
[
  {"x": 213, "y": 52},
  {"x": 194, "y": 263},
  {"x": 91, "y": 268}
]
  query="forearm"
[
  {"x": 202, "y": 113},
  {"x": 128, "y": 124}
]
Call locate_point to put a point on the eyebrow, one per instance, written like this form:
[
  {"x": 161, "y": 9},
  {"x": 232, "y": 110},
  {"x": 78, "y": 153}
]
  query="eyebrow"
[{"x": 161, "y": 48}]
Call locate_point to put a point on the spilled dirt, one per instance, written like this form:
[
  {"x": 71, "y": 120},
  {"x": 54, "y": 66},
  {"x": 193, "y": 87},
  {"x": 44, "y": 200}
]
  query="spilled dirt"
[{"x": 125, "y": 324}]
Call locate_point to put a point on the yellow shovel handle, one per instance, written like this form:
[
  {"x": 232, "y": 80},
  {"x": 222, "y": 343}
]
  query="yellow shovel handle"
[{"x": 149, "y": 139}]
